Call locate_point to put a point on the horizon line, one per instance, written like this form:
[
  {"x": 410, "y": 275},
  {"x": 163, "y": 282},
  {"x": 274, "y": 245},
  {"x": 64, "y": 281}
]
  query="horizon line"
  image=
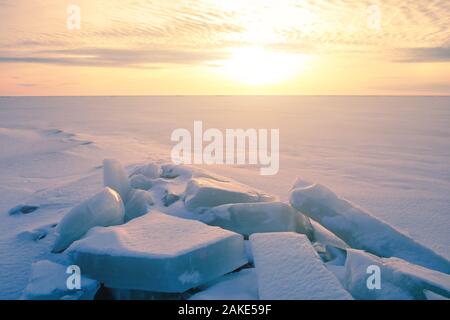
[{"x": 225, "y": 95}]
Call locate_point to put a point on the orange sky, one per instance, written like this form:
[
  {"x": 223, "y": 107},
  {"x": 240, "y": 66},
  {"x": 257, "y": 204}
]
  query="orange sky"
[{"x": 225, "y": 47}]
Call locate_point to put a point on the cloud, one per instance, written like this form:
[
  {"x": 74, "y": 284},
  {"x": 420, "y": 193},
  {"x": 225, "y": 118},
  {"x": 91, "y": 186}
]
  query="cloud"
[
  {"x": 434, "y": 54},
  {"x": 6, "y": 3},
  {"x": 206, "y": 23},
  {"x": 425, "y": 88},
  {"x": 27, "y": 85},
  {"x": 109, "y": 57},
  {"x": 142, "y": 33}
]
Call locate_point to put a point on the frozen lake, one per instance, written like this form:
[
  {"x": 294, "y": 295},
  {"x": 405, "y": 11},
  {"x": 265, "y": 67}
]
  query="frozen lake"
[{"x": 390, "y": 155}]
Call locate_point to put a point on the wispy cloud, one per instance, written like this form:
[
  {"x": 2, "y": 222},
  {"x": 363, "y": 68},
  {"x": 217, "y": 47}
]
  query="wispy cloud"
[
  {"x": 6, "y": 3},
  {"x": 415, "y": 55},
  {"x": 423, "y": 88},
  {"x": 207, "y": 25},
  {"x": 27, "y": 85},
  {"x": 159, "y": 34},
  {"x": 107, "y": 57}
]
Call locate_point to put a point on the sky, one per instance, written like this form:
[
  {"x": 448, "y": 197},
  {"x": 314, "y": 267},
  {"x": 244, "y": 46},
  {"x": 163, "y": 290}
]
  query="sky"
[{"x": 302, "y": 47}]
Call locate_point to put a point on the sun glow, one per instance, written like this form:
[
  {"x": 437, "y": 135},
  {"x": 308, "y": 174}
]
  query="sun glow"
[{"x": 259, "y": 66}]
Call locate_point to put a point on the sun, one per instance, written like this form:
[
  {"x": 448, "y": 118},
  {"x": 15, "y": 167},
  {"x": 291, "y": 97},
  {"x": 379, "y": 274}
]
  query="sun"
[{"x": 261, "y": 66}]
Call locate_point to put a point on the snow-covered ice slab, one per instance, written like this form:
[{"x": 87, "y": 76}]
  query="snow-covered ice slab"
[
  {"x": 398, "y": 279},
  {"x": 158, "y": 252},
  {"x": 104, "y": 209},
  {"x": 249, "y": 218},
  {"x": 289, "y": 268},
  {"x": 207, "y": 193},
  {"x": 242, "y": 285},
  {"x": 361, "y": 230},
  {"x": 49, "y": 282}
]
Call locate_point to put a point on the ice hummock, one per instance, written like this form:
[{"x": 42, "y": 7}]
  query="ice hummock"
[
  {"x": 249, "y": 218},
  {"x": 139, "y": 181},
  {"x": 48, "y": 281},
  {"x": 163, "y": 188},
  {"x": 149, "y": 170},
  {"x": 115, "y": 177},
  {"x": 361, "y": 230},
  {"x": 104, "y": 209},
  {"x": 208, "y": 192},
  {"x": 434, "y": 296},
  {"x": 399, "y": 279},
  {"x": 289, "y": 268},
  {"x": 326, "y": 237},
  {"x": 139, "y": 203},
  {"x": 158, "y": 252}
]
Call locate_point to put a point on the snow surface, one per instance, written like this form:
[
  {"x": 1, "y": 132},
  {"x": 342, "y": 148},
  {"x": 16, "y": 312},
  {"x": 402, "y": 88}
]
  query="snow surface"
[
  {"x": 360, "y": 229},
  {"x": 289, "y": 268},
  {"x": 158, "y": 252},
  {"x": 249, "y": 218}
]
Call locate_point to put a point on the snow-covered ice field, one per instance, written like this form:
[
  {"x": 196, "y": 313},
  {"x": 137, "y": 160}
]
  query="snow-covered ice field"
[{"x": 388, "y": 155}]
